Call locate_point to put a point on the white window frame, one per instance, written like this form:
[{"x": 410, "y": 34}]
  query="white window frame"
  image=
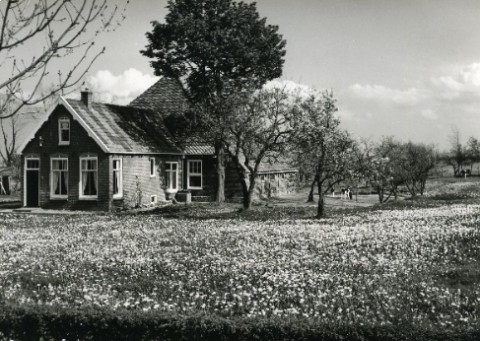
[
  {"x": 153, "y": 199},
  {"x": 52, "y": 194},
  {"x": 154, "y": 168},
  {"x": 194, "y": 174},
  {"x": 168, "y": 172},
  {"x": 60, "y": 142},
  {"x": 119, "y": 195},
  {"x": 80, "y": 184}
]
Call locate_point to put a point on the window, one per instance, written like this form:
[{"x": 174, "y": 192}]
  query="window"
[
  {"x": 153, "y": 199},
  {"x": 59, "y": 178},
  {"x": 195, "y": 174},
  {"x": 88, "y": 178},
  {"x": 153, "y": 167},
  {"x": 172, "y": 175},
  {"x": 64, "y": 131},
  {"x": 117, "y": 178},
  {"x": 33, "y": 164}
]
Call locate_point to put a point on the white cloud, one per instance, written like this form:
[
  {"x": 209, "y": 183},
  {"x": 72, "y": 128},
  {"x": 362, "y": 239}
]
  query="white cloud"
[
  {"x": 382, "y": 94},
  {"x": 291, "y": 87},
  {"x": 121, "y": 89},
  {"x": 463, "y": 85},
  {"x": 429, "y": 114}
]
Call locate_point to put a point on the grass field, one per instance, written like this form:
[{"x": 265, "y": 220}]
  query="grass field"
[{"x": 408, "y": 268}]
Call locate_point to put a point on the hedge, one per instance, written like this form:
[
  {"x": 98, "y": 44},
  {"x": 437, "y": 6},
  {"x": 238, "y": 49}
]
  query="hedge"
[{"x": 54, "y": 323}]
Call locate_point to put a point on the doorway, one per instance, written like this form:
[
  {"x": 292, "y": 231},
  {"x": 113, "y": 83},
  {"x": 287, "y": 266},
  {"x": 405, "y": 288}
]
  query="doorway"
[{"x": 32, "y": 182}]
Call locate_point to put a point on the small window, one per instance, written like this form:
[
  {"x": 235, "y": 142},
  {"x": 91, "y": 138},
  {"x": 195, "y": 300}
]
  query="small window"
[
  {"x": 117, "y": 178},
  {"x": 64, "y": 131},
  {"x": 172, "y": 175},
  {"x": 33, "y": 164},
  {"x": 195, "y": 174},
  {"x": 88, "y": 178},
  {"x": 59, "y": 178},
  {"x": 153, "y": 199},
  {"x": 153, "y": 167}
]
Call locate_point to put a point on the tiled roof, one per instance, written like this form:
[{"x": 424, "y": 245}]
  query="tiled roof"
[
  {"x": 126, "y": 129},
  {"x": 275, "y": 167},
  {"x": 166, "y": 96},
  {"x": 196, "y": 146}
]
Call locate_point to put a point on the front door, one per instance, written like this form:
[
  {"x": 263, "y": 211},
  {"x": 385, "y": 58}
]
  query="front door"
[{"x": 32, "y": 177}]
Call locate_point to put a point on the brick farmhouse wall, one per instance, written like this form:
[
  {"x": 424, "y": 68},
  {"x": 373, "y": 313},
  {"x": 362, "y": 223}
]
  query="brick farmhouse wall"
[{"x": 80, "y": 145}]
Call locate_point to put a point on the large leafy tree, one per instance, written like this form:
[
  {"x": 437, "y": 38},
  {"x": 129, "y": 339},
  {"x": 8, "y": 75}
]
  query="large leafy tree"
[
  {"x": 319, "y": 139},
  {"x": 217, "y": 49}
]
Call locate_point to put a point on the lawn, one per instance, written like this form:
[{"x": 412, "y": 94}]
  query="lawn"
[{"x": 362, "y": 274}]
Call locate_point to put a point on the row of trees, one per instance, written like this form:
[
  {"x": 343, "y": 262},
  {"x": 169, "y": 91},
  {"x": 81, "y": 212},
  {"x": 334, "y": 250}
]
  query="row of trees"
[{"x": 462, "y": 157}]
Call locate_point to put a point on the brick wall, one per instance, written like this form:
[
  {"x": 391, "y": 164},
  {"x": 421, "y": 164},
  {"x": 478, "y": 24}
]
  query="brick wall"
[
  {"x": 136, "y": 178},
  {"x": 80, "y": 145}
]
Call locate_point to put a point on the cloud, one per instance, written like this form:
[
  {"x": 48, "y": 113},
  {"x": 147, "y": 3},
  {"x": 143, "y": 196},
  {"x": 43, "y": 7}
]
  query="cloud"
[
  {"x": 121, "y": 89},
  {"x": 385, "y": 95},
  {"x": 429, "y": 114},
  {"x": 291, "y": 87},
  {"x": 464, "y": 85}
]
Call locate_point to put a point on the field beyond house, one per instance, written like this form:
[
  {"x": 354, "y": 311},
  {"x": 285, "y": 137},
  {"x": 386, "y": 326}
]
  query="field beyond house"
[{"x": 411, "y": 272}]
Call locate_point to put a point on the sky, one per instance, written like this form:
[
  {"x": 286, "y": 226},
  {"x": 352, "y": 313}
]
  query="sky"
[{"x": 407, "y": 68}]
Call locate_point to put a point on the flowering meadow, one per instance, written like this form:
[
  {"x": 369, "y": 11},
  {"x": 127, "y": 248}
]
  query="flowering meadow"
[{"x": 415, "y": 267}]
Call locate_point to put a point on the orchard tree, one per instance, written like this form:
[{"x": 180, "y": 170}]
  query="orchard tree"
[
  {"x": 473, "y": 152},
  {"x": 217, "y": 49},
  {"x": 260, "y": 130},
  {"x": 319, "y": 138},
  {"x": 36, "y": 35},
  {"x": 457, "y": 155},
  {"x": 413, "y": 164},
  {"x": 398, "y": 164},
  {"x": 383, "y": 175}
]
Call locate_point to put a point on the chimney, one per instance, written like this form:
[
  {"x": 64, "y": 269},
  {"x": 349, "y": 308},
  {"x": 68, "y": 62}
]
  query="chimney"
[{"x": 86, "y": 97}]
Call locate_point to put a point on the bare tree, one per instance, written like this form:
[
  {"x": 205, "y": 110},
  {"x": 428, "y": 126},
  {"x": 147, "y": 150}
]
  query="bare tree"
[
  {"x": 8, "y": 148},
  {"x": 457, "y": 155},
  {"x": 260, "y": 130},
  {"x": 319, "y": 137},
  {"x": 48, "y": 31},
  {"x": 473, "y": 151}
]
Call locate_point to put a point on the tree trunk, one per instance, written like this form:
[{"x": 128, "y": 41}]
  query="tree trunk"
[
  {"x": 248, "y": 195},
  {"x": 321, "y": 204},
  {"x": 245, "y": 200},
  {"x": 380, "y": 194},
  {"x": 220, "y": 170},
  {"x": 312, "y": 189}
]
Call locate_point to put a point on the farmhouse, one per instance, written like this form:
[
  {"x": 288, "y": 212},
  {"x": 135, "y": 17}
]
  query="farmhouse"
[{"x": 94, "y": 156}]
